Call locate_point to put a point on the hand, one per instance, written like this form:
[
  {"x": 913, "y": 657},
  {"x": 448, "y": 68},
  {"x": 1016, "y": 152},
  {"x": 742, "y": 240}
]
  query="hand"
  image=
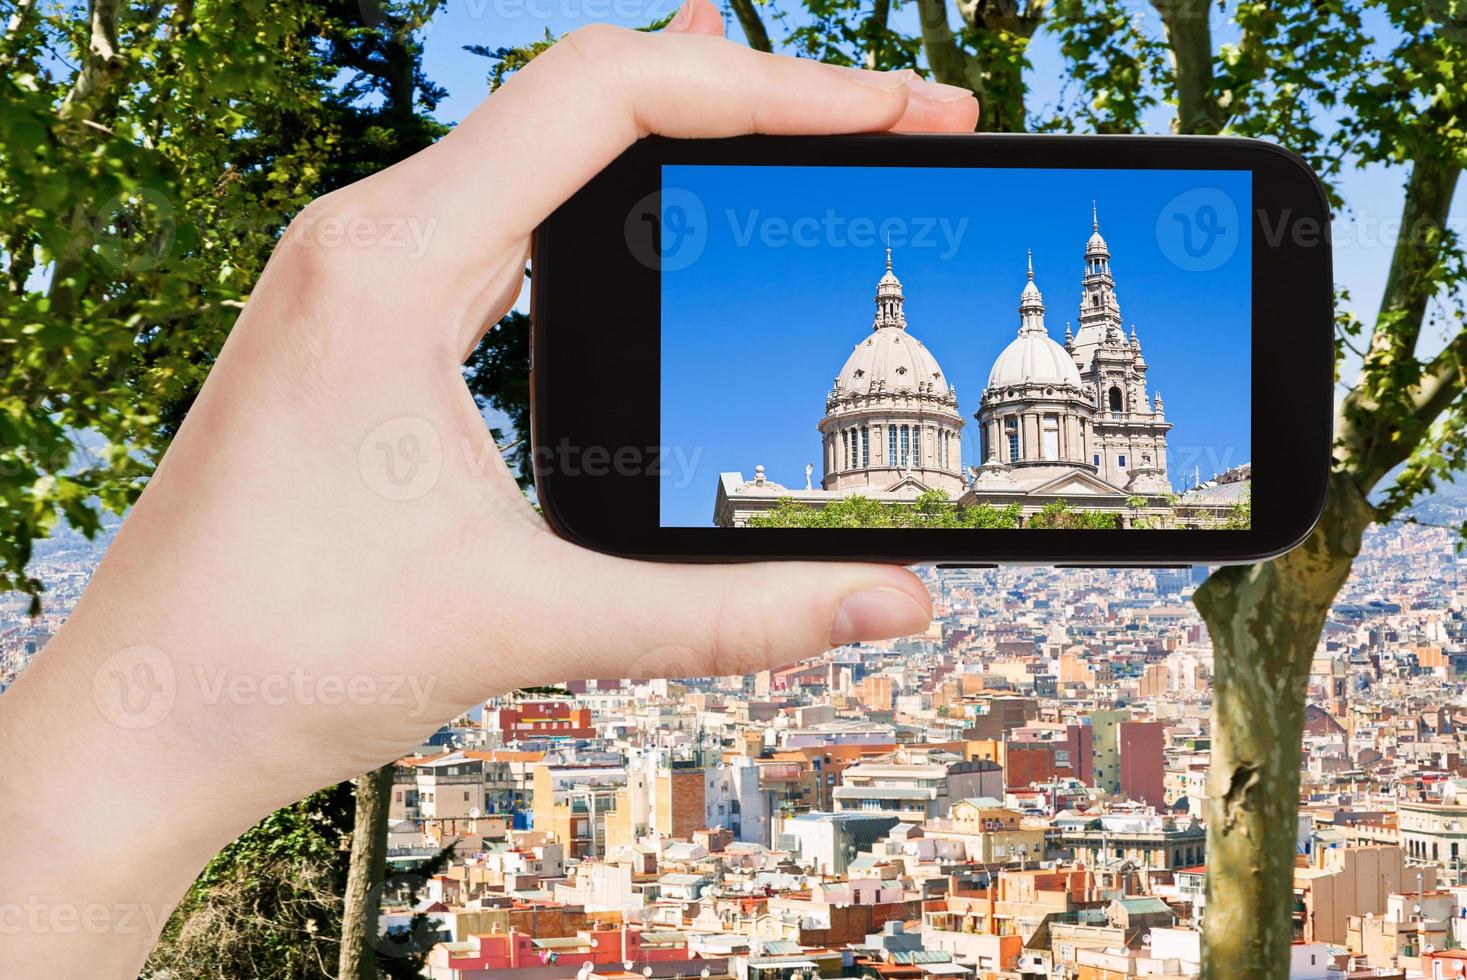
[{"x": 332, "y": 559}]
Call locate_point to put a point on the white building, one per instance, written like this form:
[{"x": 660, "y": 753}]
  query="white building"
[{"x": 1069, "y": 423}]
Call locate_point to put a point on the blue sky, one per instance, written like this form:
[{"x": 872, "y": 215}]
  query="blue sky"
[{"x": 757, "y": 326}]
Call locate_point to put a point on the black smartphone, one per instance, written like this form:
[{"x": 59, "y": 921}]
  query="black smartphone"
[{"x": 972, "y": 349}]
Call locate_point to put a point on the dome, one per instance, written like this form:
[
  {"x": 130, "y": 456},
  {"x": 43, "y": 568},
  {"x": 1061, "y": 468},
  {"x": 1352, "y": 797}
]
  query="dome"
[
  {"x": 1033, "y": 358},
  {"x": 895, "y": 357},
  {"x": 891, "y": 357}
]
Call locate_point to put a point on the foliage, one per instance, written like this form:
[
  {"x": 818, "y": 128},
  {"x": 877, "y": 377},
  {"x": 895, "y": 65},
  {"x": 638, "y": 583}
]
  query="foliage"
[
  {"x": 269, "y": 904},
  {"x": 147, "y": 165},
  {"x": 1117, "y": 69},
  {"x": 1059, "y": 515},
  {"x": 1240, "y": 515},
  {"x": 498, "y": 373},
  {"x": 932, "y": 509}
]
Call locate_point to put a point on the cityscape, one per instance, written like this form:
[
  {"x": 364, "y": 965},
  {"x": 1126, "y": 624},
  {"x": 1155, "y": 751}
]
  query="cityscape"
[{"x": 1018, "y": 793}]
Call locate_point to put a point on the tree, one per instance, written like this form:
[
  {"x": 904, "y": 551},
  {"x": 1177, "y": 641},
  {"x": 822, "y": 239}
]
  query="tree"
[
  {"x": 146, "y": 170},
  {"x": 149, "y": 157},
  {"x": 365, "y": 875},
  {"x": 1298, "y": 66},
  {"x": 269, "y": 905}
]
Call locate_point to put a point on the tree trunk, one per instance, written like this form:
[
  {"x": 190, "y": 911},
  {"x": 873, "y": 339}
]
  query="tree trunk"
[
  {"x": 752, "y": 24},
  {"x": 365, "y": 875},
  {"x": 948, "y": 62},
  {"x": 994, "y": 72},
  {"x": 1265, "y": 621},
  {"x": 1189, "y": 39},
  {"x": 876, "y": 32}
]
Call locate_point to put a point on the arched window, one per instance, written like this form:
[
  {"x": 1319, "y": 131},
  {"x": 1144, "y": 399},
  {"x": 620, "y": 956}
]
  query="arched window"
[
  {"x": 1115, "y": 399},
  {"x": 1094, "y": 299}
]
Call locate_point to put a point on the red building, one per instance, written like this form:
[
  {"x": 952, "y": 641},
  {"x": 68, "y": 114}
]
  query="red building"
[
  {"x": 1143, "y": 774},
  {"x": 1025, "y": 763},
  {"x": 529, "y": 721},
  {"x": 664, "y": 953}
]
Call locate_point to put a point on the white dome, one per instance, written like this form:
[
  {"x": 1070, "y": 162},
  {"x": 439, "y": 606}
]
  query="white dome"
[
  {"x": 1096, "y": 243},
  {"x": 1033, "y": 358},
  {"x": 894, "y": 356}
]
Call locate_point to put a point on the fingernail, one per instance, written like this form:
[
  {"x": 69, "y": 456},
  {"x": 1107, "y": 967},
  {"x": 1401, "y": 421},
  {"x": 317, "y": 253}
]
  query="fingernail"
[
  {"x": 876, "y": 614},
  {"x": 937, "y": 91},
  {"x": 682, "y": 18},
  {"x": 886, "y": 81}
]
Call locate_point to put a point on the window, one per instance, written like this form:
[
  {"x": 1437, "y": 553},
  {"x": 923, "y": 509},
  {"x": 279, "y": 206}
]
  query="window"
[
  {"x": 1094, "y": 299},
  {"x": 906, "y": 445},
  {"x": 855, "y": 448},
  {"x": 1097, "y": 459},
  {"x": 1011, "y": 427},
  {"x": 1050, "y": 444},
  {"x": 1121, "y": 461},
  {"x": 865, "y": 446},
  {"x": 891, "y": 445},
  {"x": 845, "y": 448},
  {"x": 1115, "y": 399}
]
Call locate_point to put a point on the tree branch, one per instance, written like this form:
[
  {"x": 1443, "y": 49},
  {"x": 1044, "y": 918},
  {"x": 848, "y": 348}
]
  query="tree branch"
[
  {"x": 948, "y": 62},
  {"x": 1443, "y": 380},
  {"x": 101, "y": 66},
  {"x": 752, "y": 24},
  {"x": 1396, "y": 399},
  {"x": 876, "y": 32},
  {"x": 1189, "y": 39}
]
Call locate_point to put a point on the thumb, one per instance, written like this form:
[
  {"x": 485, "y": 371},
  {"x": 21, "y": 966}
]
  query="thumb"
[{"x": 646, "y": 619}]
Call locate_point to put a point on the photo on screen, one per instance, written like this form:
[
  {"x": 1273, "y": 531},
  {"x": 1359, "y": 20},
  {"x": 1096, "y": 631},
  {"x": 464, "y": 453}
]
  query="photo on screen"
[{"x": 955, "y": 347}]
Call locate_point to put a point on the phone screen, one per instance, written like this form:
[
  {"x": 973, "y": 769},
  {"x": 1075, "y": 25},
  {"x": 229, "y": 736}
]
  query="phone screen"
[{"x": 955, "y": 347}]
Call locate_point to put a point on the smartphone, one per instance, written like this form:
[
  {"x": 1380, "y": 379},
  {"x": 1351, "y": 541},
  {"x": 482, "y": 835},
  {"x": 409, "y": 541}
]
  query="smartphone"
[{"x": 965, "y": 349}]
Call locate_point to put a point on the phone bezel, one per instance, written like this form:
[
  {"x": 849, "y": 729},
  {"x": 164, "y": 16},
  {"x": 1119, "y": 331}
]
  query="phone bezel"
[{"x": 595, "y": 365}]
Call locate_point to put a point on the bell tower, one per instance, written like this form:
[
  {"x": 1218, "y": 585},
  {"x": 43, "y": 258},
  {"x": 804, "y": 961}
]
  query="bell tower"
[{"x": 1100, "y": 309}]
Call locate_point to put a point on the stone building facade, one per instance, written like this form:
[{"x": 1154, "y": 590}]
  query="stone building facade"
[
  {"x": 1071, "y": 422},
  {"x": 891, "y": 414}
]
